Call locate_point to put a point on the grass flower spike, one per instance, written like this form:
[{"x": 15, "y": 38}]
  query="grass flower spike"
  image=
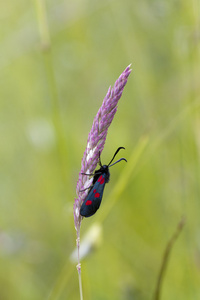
[
  {"x": 95, "y": 144},
  {"x": 97, "y": 138}
]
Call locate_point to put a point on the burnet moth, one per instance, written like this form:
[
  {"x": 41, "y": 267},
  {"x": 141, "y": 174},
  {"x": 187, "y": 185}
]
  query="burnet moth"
[{"x": 100, "y": 178}]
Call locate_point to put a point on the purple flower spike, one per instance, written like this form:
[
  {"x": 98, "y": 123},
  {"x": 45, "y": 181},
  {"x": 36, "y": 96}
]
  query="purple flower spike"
[{"x": 96, "y": 141}]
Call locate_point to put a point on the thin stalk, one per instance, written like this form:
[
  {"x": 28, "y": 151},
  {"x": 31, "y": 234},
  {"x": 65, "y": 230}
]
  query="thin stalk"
[
  {"x": 79, "y": 264},
  {"x": 165, "y": 259},
  {"x": 51, "y": 81}
]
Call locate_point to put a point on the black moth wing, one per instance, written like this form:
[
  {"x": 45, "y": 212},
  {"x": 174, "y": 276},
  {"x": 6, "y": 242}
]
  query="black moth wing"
[
  {"x": 97, "y": 173},
  {"x": 93, "y": 200},
  {"x": 103, "y": 170}
]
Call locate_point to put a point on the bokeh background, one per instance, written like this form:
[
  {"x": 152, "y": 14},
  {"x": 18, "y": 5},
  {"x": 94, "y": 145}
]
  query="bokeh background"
[{"x": 57, "y": 60}]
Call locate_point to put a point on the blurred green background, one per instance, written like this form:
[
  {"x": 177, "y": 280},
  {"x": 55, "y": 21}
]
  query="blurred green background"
[{"x": 57, "y": 60}]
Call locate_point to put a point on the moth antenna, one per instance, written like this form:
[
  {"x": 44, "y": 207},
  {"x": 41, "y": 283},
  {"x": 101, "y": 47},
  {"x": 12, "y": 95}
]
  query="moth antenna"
[
  {"x": 118, "y": 161},
  {"x": 115, "y": 154}
]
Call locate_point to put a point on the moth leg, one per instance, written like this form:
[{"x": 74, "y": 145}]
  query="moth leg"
[
  {"x": 87, "y": 174},
  {"x": 89, "y": 187}
]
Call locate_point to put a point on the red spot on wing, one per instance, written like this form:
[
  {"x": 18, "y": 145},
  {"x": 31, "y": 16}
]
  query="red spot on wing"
[
  {"x": 89, "y": 202},
  {"x": 101, "y": 180},
  {"x": 96, "y": 195}
]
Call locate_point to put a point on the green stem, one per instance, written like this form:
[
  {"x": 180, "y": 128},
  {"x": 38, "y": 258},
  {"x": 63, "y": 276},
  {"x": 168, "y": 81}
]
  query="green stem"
[
  {"x": 165, "y": 259},
  {"x": 79, "y": 264},
  {"x": 56, "y": 118}
]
